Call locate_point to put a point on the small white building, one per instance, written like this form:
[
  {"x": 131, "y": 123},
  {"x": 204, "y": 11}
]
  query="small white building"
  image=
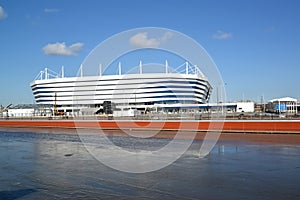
[
  {"x": 20, "y": 112},
  {"x": 245, "y": 107},
  {"x": 124, "y": 113},
  {"x": 26, "y": 110},
  {"x": 285, "y": 104}
]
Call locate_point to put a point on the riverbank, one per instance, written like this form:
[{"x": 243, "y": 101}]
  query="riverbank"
[
  {"x": 227, "y": 126},
  {"x": 235, "y": 137}
]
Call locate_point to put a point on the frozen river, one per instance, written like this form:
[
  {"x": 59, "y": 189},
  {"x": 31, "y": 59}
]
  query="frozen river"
[{"x": 57, "y": 166}]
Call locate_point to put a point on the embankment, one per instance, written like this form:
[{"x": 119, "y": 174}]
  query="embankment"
[{"x": 239, "y": 126}]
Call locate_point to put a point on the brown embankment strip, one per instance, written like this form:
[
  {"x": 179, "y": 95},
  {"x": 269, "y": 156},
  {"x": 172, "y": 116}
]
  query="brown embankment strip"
[
  {"x": 228, "y": 126},
  {"x": 282, "y": 132}
]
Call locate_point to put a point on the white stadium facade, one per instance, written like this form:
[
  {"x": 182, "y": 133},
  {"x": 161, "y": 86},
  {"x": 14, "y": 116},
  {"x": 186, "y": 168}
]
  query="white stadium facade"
[{"x": 140, "y": 91}]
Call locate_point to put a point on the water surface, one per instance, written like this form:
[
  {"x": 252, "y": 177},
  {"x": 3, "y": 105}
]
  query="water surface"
[{"x": 57, "y": 166}]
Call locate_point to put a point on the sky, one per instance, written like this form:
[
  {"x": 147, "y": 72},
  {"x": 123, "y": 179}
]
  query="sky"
[{"x": 254, "y": 43}]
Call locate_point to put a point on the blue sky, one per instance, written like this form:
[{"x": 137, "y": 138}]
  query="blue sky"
[{"x": 255, "y": 44}]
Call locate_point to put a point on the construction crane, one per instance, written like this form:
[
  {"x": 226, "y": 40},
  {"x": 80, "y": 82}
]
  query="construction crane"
[{"x": 54, "y": 107}]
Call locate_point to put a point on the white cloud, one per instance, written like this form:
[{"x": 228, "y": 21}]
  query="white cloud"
[
  {"x": 51, "y": 10},
  {"x": 141, "y": 40},
  {"x": 166, "y": 36},
  {"x": 2, "y": 13},
  {"x": 220, "y": 35},
  {"x": 61, "y": 49}
]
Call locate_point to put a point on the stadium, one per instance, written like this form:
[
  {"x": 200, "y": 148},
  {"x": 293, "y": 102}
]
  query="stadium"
[{"x": 120, "y": 93}]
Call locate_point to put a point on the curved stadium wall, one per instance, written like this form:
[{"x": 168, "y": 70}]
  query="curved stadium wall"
[{"x": 143, "y": 90}]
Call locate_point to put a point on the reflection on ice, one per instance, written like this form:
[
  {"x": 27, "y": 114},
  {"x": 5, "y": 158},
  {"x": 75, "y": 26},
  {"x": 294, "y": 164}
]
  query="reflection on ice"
[{"x": 57, "y": 166}]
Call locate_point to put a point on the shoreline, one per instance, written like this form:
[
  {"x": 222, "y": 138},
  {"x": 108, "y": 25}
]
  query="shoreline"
[
  {"x": 258, "y": 131},
  {"x": 244, "y": 137},
  {"x": 226, "y": 126}
]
